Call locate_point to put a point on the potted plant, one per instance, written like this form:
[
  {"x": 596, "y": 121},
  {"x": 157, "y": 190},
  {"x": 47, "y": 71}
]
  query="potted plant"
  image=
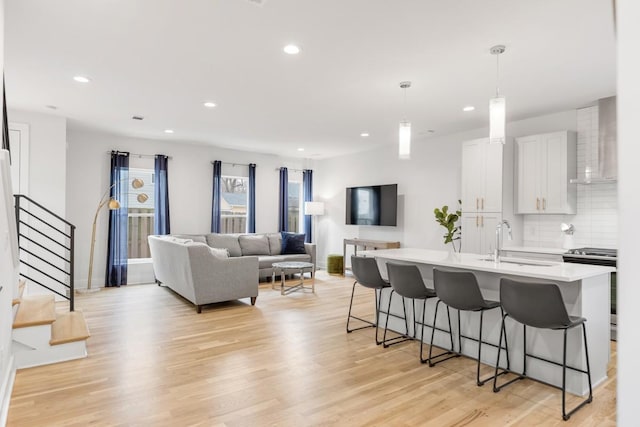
[{"x": 448, "y": 220}]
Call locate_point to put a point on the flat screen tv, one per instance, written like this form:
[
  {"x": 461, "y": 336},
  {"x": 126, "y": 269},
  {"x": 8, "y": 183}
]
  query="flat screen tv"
[{"x": 372, "y": 205}]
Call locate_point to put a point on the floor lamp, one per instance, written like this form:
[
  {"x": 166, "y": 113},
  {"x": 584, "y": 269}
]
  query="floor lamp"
[
  {"x": 113, "y": 204},
  {"x": 315, "y": 209}
]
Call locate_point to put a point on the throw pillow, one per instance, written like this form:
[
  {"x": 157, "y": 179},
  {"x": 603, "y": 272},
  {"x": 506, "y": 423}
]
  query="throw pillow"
[
  {"x": 219, "y": 253},
  {"x": 275, "y": 243},
  {"x": 254, "y": 244},
  {"x": 292, "y": 243}
]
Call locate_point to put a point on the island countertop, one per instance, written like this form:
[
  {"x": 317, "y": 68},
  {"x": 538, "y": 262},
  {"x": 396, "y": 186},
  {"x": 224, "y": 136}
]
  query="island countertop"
[{"x": 537, "y": 269}]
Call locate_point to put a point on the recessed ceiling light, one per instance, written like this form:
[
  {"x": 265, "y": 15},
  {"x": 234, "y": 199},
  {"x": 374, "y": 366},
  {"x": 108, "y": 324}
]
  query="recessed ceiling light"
[
  {"x": 82, "y": 79},
  {"x": 51, "y": 107},
  {"x": 469, "y": 108},
  {"x": 364, "y": 134},
  {"x": 300, "y": 149},
  {"x": 168, "y": 131},
  {"x": 209, "y": 104},
  {"x": 292, "y": 49}
]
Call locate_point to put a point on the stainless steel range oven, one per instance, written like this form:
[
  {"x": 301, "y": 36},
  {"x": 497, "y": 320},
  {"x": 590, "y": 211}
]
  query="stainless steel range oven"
[{"x": 596, "y": 256}]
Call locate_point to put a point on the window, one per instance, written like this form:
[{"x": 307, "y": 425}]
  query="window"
[
  {"x": 140, "y": 212},
  {"x": 295, "y": 211},
  {"x": 233, "y": 204}
]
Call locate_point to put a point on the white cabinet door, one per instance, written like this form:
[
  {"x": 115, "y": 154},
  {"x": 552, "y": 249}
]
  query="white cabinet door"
[
  {"x": 481, "y": 176},
  {"x": 491, "y": 196},
  {"x": 472, "y": 167},
  {"x": 529, "y": 172},
  {"x": 554, "y": 186},
  {"x": 488, "y": 223},
  {"x": 470, "y": 233}
]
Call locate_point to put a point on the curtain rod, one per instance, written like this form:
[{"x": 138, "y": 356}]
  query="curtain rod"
[
  {"x": 294, "y": 170},
  {"x": 152, "y": 156},
  {"x": 235, "y": 164}
]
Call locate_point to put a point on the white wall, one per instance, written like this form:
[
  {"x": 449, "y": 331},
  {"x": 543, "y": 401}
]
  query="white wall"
[
  {"x": 429, "y": 180},
  {"x": 8, "y": 271},
  {"x": 596, "y": 218},
  {"x": 629, "y": 188},
  {"x": 190, "y": 184},
  {"x": 47, "y": 157}
]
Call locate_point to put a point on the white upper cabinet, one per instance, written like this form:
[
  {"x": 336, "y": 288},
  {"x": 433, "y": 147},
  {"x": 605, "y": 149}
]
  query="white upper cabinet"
[
  {"x": 545, "y": 163},
  {"x": 481, "y": 176}
]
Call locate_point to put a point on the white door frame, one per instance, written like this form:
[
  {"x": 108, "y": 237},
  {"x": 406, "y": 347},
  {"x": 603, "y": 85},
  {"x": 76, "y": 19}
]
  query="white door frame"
[{"x": 23, "y": 152}]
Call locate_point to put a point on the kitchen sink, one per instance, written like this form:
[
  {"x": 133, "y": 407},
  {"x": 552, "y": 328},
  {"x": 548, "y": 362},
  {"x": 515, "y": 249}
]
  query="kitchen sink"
[{"x": 519, "y": 262}]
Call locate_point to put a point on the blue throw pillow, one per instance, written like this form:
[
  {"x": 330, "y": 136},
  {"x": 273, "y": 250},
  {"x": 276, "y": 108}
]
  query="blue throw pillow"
[{"x": 292, "y": 243}]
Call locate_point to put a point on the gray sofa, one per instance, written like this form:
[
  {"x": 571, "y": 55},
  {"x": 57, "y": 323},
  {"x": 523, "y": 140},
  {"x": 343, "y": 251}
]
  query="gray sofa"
[
  {"x": 267, "y": 247},
  {"x": 210, "y": 268}
]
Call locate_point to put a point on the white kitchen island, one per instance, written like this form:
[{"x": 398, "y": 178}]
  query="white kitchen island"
[{"x": 584, "y": 288}]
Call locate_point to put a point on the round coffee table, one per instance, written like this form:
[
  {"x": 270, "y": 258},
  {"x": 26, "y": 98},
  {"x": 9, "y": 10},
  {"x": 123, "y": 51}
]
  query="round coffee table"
[{"x": 292, "y": 267}]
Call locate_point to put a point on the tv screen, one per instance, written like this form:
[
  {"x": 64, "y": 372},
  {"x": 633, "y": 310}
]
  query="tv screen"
[{"x": 372, "y": 205}]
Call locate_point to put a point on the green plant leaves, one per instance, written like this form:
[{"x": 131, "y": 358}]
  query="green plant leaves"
[{"x": 448, "y": 221}]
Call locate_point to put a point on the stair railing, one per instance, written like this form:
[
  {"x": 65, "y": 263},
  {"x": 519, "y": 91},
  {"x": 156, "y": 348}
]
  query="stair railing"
[{"x": 46, "y": 243}]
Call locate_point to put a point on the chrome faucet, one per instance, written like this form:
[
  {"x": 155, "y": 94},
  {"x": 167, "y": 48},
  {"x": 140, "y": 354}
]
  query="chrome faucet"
[{"x": 496, "y": 251}]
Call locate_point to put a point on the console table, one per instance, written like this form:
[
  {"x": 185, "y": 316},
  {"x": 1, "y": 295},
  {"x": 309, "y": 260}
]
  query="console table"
[{"x": 367, "y": 245}]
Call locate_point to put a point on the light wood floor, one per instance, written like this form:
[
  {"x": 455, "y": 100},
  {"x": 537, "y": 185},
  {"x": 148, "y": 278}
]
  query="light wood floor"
[{"x": 287, "y": 361}]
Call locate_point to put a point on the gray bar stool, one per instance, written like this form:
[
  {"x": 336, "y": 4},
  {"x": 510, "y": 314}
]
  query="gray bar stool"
[
  {"x": 407, "y": 282},
  {"x": 540, "y": 305},
  {"x": 460, "y": 290},
  {"x": 366, "y": 272}
]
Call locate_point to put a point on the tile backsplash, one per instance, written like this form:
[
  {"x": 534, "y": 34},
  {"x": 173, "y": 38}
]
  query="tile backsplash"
[{"x": 596, "y": 220}]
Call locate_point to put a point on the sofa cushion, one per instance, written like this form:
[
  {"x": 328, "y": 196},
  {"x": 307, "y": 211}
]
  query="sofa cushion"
[
  {"x": 254, "y": 244},
  {"x": 226, "y": 241},
  {"x": 292, "y": 243},
  {"x": 195, "y": 237},
  {"x": 275, "y": 243},
  {"x": 220, "y": 253},
  {"x": 267, "y": 261},
  {"x": 179, "y": 240}
]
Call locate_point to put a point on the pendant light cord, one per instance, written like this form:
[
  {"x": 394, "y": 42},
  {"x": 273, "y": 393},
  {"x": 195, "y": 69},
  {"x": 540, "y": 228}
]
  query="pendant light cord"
[{"x": 497, "y": 76}]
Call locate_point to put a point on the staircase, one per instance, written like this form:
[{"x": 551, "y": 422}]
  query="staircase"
[
  {"x": 46, "y": 327},
  {"x": 43, "y": 335}
]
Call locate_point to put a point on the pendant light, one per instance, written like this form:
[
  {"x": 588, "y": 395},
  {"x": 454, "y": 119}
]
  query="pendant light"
[
  {"x": 404, "y": 142},
  {"x": 497, "y": 105}
]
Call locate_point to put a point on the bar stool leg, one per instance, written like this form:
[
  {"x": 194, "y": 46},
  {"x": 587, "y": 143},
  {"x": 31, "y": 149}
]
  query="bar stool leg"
[
  {"x": 424, "y": 310},
  {"x": 564, "y": 376},
  {"x": 459, "y": 334},
  {"x": 478, "y": 382},
  {"x": 386, "y": 323},
  {"x": 350, "y": 316},
  {"x": 450, "y": 353}
]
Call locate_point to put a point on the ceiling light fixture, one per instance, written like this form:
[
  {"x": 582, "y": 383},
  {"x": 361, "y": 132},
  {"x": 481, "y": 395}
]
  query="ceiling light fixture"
[
  {"x": 168, "y": 131},
  {"x": 497, "y": 105},
  {"x": 300, "y": 149},
  {"x": 209, "y": 104},
  {"x": 291, "y": 49},
  {"x": 469, "y": 108},
  {"x": 82, "y": 79},
  {"x": 404, "y": 142},
  {"x": 364, "y": 134}
]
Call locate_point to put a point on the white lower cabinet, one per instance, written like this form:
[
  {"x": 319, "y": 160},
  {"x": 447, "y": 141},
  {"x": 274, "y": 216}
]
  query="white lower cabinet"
[{"x": 479, "y": 232}]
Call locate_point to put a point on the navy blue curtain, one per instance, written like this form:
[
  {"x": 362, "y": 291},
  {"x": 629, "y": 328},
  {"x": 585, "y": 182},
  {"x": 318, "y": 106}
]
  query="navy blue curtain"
[
  {"x": 215, "y": 204},
  {"x": 117, "y": 254},
  {"x": 251, "y": 214},
  {"x": 161, "y": 225},
  {"x": 283, "y": 202},
  {"x": 307, "y": 195},
  {"x": 5, "y": 121}
]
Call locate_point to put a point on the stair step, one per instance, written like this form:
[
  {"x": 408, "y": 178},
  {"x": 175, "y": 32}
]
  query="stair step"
[
  {"x": 35, "y": 310},
  {"x": 69, "y": 327},
  {"x": 21, "y": 285}
]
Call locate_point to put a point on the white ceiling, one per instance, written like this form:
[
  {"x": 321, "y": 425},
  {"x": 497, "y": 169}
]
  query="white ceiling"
[{"x": 162, "y": 59}]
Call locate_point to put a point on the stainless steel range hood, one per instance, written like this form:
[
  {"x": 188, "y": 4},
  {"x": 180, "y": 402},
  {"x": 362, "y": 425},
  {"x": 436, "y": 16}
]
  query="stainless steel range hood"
[{"x": 607, "y": 169}]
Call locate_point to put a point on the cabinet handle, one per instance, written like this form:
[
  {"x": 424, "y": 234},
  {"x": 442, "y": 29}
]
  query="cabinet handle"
[
  {"x": 482, "y": 203},
  {"x": 482, "y": 221},
  {"x": 537, "y": 203},
  {"x": 477, "y": 218},
  {"x": 544, "y": 204},
  {"x": 477, "y": 201}
]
